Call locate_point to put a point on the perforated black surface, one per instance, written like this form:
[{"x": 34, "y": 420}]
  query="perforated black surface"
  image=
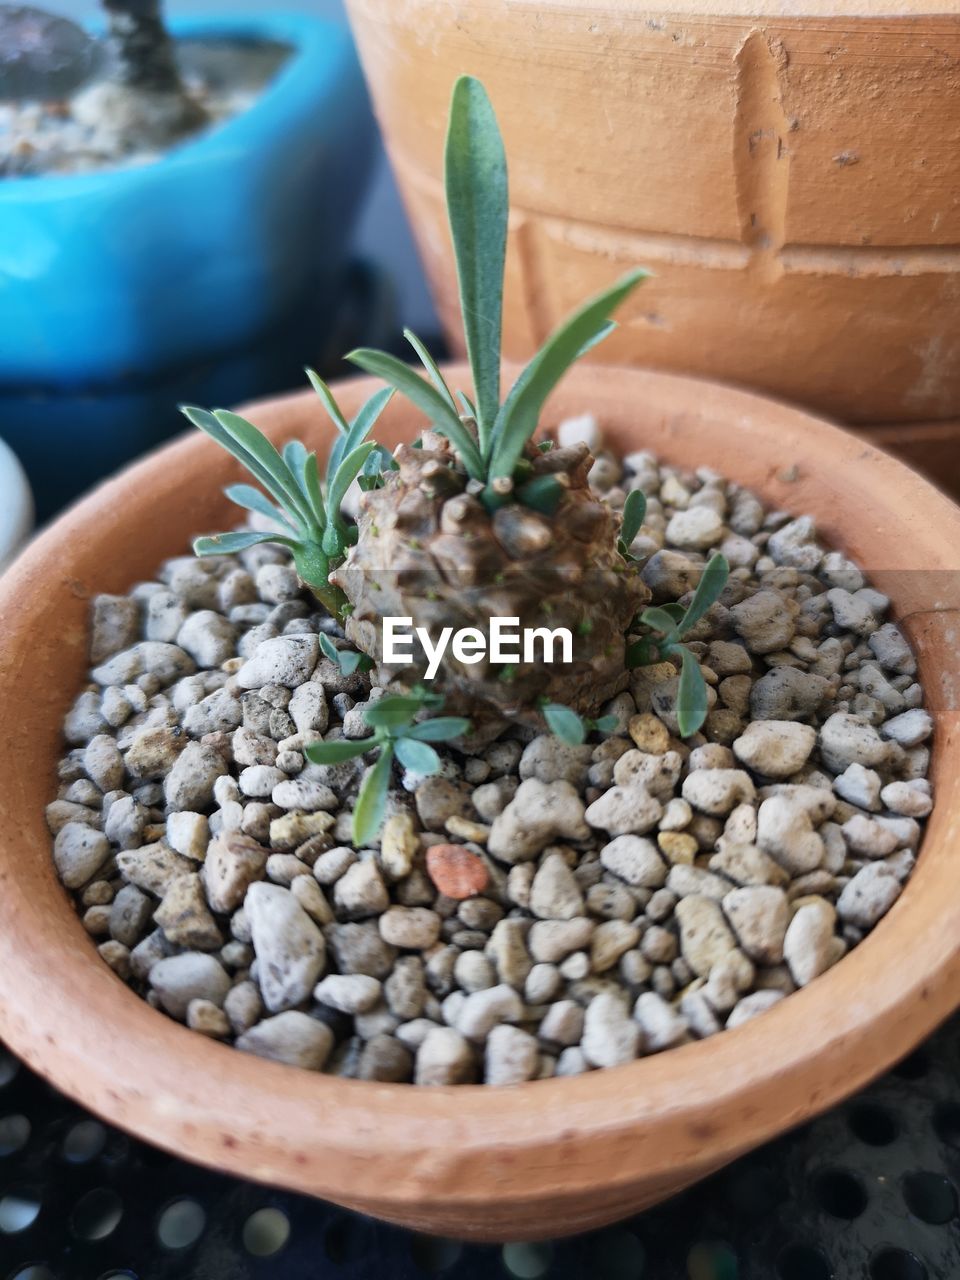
[{"x": 867, "y": 1192}]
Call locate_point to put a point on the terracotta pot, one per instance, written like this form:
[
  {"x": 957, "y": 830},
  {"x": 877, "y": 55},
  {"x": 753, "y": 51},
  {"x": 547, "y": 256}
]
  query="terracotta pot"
[
  {"x": 541, "y": 1159},
  {"x": 933, "y": 448},
  {"x": 785, "y": 171}
]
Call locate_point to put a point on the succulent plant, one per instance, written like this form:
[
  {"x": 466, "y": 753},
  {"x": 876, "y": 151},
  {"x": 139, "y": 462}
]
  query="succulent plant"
[
  {"x": 306, "y": 515},
  {"x": 666, "y": 625},
  {"x": 396, "y": 733},
  {"x": 141, "y": 46},
  {"x": 473, "y": 521},
  {"x": 478, "y": 521}
]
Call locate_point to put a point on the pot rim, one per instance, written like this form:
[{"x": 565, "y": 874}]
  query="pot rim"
[
  {"x": 317, "y": 47},
  {"x": 442, "y": 1155}
]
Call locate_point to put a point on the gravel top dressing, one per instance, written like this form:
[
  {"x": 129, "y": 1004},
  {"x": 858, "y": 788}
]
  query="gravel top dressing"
[
  {"x": 537, "y": 908},
  {"x": 83, "y": 133}
]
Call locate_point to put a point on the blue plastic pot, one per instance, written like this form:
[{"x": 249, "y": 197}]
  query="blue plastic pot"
[{"x": 217, "y": 269}]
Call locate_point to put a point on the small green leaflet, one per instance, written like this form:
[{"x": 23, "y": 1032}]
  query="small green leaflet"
[
  {"x": 692, "y": 705},
  {"x": 563, "y": 722},
  {"x": 338, "y": 751},
  {"x": 634, "y": 510},
  {"x": 417, "y": 755},
  {"x": 372, "y": 798}
]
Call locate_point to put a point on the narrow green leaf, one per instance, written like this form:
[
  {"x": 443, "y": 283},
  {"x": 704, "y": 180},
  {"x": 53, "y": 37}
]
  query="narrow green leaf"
[
  {"x": 606, "y": 724},
  {"x": 221, "y": 544},
  {"x": 520, "y": 413},
  {"x": 597, "y": 338},
  {"x": 294, "y": 454},
  {"x": 709, "y": 588},
  {"x": 392, "y": 711},
  {"x": 692, "y": 703},
  {"x": 417, "y": 755},
  {"x": 251, "y": 499},
  {"x": 426, "y": 398},
  {"x": 208, "y": 423},
  {"x": 372, "y": 799},
  {"x": 467, "y": 405},
  {"x": 310, "y": 483},
  {"x": 328, "y": 401},
  {"x": 337, "y": 751},
  {"x": 634, "y": 510},
  {"x": 439, "y": 729},
  {"x": 432, "y": 369},
  {"x": 347, "y": 472},
  {"x": 359, "y": 429},
  {"x": 283, "y": 486},
  {"x": 475, "y": 173},
  {"x": 564, "y": 723},
  {"x": 662, "y": 620}
]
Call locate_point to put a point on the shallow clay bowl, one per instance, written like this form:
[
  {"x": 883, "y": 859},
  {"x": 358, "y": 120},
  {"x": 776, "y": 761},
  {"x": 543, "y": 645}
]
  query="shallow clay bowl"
[{"x": 541, "y": 1159}]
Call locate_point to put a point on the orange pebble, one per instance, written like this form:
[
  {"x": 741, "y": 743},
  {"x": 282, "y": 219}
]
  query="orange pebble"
[{"x": 455, "y": 871}]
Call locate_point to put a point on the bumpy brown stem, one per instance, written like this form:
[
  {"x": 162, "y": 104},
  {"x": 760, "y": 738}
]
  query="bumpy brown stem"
[{"x": 428, "y": 549}]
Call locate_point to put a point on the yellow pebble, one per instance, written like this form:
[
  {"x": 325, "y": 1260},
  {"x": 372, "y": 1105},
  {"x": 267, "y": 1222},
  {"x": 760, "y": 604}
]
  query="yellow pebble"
[
  {"x": 649, "y": 733},
  {"x": 678, "y": 846}
]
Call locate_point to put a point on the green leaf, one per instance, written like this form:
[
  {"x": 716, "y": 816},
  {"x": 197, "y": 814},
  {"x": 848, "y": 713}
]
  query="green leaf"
[
  {"x": 709, "y": 588},
  {"x": 251, "y": 499},
  {"x": 282, "y": 484},
  {"x": 351, "y": 661},
  {"x": 439, "y": 729},
  {"x": 310, "y": 483},
  {"x": 425, "y": 398},
  {"x": 222, "y": 544},
  {"x": 467, "y": 405},
  {"x": 662, "y": 620},
  {"x": 417, "y": 755},
  {"x": 433, "y": 372},
  {"x": 564, "y": 723},
  {"x": 475, "y": 174},
  {"x": 520, "y": 413},
  {"x": 338, "y": 751},
  {"x": 372, "y": 799},
  {"x": 606, "y": 724},
  {"x": 348, "y": 660},
  {"x": 392, "y": 711},
  {"x": 294, "y": 455},
  {"x": 208, "y": 423},
  {"x": 328, "y": 648},
  {"x": 347, "y": 472},
  {"x": 372, "y": 471},
  {"x": 634, "y": 510},
  {"x": 692, "y": 703},
  {"x": 328, "y": 401},
  {"x": 543, "y": 493},
  {"x": 359, "y": 429},
  {"x": 597, "y": 338}
]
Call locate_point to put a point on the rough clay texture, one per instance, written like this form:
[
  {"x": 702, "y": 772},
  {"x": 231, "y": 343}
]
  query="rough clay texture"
[
  {"x": 788, "y": 196},
  {"x": 536, "y": 909}
]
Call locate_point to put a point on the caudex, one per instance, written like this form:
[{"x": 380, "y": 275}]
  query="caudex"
[{"x": 472, "y": 520}]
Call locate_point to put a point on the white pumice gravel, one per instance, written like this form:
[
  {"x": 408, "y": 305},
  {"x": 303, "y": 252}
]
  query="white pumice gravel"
[{"x": 638, "y": 891}]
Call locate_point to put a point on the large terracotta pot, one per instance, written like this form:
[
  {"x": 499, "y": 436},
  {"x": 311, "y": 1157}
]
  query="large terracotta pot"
[
  {"x": 788, "y": 172},
  {"x": 491, "y": 1163}
]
